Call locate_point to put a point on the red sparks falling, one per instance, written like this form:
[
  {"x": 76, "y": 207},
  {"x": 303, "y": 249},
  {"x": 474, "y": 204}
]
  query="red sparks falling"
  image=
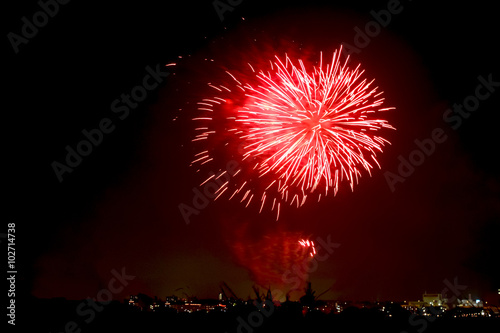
[
  {"x": 299, "y": 132},
  {"x": 308, "y": 245}
]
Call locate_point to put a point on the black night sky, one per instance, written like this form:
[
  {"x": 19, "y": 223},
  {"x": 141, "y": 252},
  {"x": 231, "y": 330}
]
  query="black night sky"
[{"x": 119, "y": 206}]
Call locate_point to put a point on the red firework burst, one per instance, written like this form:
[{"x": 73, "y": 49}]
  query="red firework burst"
[{"x": 299, "y": 132}]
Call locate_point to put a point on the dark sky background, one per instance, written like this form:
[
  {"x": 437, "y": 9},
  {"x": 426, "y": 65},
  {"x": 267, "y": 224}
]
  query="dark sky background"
[{"x": 119, "y": 207}]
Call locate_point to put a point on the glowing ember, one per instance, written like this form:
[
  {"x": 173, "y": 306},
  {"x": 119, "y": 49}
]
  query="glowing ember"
[{"x": 308, "y": 245}]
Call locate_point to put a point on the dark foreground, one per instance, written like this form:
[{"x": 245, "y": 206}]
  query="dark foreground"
[{"x": 73, "y": 317}]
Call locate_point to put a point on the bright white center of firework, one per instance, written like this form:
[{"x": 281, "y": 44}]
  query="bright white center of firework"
[{"x": 313, "y": 123}]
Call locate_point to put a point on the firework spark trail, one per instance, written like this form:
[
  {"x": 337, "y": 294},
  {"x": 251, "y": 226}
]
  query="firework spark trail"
[
  {"x": 308, "y": 245},
  {"x": 302, "y": 130}
]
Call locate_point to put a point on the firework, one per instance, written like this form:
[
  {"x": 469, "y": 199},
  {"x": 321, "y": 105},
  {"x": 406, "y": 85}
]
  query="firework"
[
  {"x": 307, "y": 244},
  {"x": 293, "y": 133}
]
